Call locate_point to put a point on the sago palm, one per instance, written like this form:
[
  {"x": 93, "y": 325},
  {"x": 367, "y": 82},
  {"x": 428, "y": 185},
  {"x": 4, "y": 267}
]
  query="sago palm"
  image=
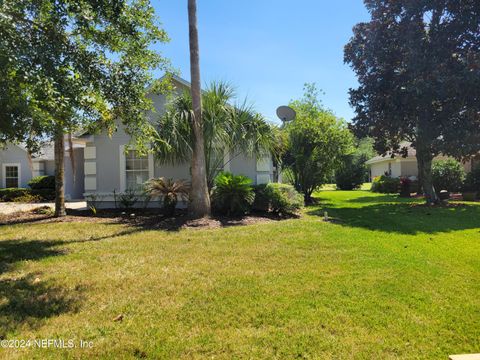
[
  {"x": 232, "y": 194},
  {"x": 169, "y": 190}
]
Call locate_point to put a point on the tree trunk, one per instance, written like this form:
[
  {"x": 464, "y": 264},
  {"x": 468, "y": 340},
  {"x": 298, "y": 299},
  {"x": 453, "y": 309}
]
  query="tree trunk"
[
  {"x": 199, "y": 197},
  {"x": 307, "y": 198},
  {"x": 424, "y": 161},
  {"x": 59, "y": 147}
]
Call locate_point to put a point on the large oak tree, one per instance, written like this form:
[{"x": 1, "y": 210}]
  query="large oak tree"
[
  {"x": 75, "y": 64},
  {"x": 418, "y": 67}
]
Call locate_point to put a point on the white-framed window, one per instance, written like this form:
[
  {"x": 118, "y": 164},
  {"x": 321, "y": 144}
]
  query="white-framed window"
[
  {"x": 135, "y": 169},
  {"x": 11, "y": 175}
]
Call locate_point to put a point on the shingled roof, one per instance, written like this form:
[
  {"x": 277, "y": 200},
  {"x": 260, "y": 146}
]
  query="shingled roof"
[{"x": 412, "y": 153}]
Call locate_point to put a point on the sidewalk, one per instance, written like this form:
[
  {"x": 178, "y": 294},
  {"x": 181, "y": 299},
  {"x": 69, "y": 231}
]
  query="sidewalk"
[{"x": 12, "y": 207}]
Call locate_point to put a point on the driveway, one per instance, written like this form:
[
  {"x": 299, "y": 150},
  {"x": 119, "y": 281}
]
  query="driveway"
[{"x": 11, "y": 207}]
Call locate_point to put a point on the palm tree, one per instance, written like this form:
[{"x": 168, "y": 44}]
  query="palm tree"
[
  {"x": 199, "y": 197},
  {"x": 226, "y": 128},
  {"x": 169, "y": 190}
]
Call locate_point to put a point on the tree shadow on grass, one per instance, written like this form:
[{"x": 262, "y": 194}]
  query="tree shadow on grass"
[
  {"x": 403, "y": 217},
  {"x": 14, "y": 251},
  {"x": 29, "y": 300},
  {"x": 385, "y": 199}
]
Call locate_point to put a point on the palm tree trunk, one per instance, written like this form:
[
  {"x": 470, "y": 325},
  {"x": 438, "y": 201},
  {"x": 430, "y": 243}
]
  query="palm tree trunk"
[
  {"x": 59, "y": 148},
  {"x": 199, "y": 198}
]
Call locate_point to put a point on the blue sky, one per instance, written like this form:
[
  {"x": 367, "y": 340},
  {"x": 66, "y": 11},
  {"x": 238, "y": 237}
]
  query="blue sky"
[{"x": 268, "y": 48}]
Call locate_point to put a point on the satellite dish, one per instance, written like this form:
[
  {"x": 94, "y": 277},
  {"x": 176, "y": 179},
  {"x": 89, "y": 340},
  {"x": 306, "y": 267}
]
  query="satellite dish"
[{"x": 286, "y": 113}]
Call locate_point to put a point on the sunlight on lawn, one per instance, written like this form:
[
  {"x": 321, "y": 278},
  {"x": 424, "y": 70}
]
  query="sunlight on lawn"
[{"x": 386, "y": 278}]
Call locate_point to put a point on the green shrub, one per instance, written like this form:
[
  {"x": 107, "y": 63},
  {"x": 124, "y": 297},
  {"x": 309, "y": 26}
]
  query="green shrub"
[
  {"x": 128, "y": 199},
  {"x": 447, "y": 175},
  {"x": 262, "y": 198},
  {"x": 169, "y": 190},
  {"x": 26, "y": 195},
  {"x": 232, "y": 194},
  {"x": 42, "y": 182},
  {"x": 469, "y": 195},
  {"x": 278, "y": 198},
  {"x": 44, "y": 194},
  {"x": 351, "y": 173},
  {"x": 10, "y": 194},
  {"x": 28, "y": 198},
  {"x": 472, "y": 180},
  {"x": 385, "y": 185}
]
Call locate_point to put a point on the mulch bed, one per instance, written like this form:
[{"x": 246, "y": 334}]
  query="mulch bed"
[{"x": 143, "y": 218}]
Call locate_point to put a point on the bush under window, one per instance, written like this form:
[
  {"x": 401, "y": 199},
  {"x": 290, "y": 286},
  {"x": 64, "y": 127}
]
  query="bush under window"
[
  {"x": 10, "y": 194},
  {"x": 385, "y": 185},
  {"x": 26, "y": 195},
  {"x": 42, "y": 182}
]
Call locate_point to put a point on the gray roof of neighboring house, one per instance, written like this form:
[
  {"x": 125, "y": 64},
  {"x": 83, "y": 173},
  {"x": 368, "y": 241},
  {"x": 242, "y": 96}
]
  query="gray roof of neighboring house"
[
  {"x": 388, "y": 156},
  {"x": 46, "y": 152}
]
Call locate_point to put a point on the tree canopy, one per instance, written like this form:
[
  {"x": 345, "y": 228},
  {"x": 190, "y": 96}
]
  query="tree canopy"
[
  {"x": 418, "y": 67},
  {"x": 316, "y": 143},
  {"x": 76, "y": 64},
  {"x": 71, "y": 64}
]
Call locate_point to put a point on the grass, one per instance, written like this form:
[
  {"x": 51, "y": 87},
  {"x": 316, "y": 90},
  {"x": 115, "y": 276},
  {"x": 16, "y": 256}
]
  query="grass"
[{"x": 386, "y": 279}]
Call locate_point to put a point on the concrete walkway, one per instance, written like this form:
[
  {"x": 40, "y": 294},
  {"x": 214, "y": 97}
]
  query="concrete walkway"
[{"x": 12, "y": 207}]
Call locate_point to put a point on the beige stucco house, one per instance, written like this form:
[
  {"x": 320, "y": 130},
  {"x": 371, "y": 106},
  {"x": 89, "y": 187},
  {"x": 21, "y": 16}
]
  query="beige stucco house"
[{"x": 398, "y": 166}]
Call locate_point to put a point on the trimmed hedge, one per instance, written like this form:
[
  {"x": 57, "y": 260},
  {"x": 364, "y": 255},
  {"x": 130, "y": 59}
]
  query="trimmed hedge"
[
  {"x": 44, "y": 194},
  {"x": 26, "y": 195},
  {"x": 385, "y": 185},
  {"x": 277, "y": 198},
  {"x": 10, "y": 194},
  {"x": 42, "y": 182}
]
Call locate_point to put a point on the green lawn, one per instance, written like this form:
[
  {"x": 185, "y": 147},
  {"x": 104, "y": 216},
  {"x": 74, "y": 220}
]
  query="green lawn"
[{"x": 382, "y": 280}]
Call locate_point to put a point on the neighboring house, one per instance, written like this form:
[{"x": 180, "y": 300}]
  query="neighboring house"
[
  {"x": 17, "y": 168},
  {"x": 401, "y": 166},
  {"x": 111, "y": 171}
]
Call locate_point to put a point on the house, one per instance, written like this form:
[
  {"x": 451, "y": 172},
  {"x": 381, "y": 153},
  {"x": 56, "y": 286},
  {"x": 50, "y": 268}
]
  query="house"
[
  {"x": 104, "y": 170},
  {"x": 399, "y": 166},
  {"x": 110, "y": 170},
  {"x": 17, "y": 167}
]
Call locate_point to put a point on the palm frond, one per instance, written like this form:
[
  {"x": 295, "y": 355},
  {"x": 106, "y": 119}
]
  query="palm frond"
[{"x": 236, "y": 128}]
